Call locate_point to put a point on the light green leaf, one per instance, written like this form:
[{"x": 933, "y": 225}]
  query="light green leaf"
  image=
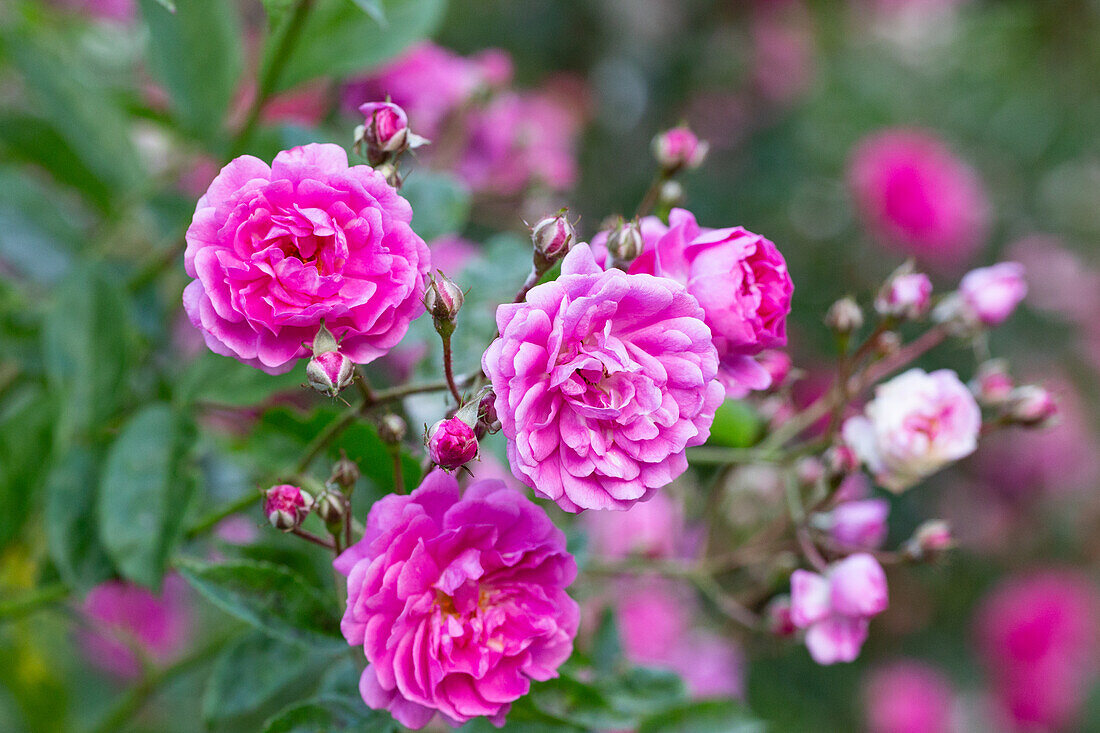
[
  {"x": 707, "y": 716},
  {"x": 440, "y": 204},
  {"x": 25, "y": 438},
  {"x": 72, "y": 490},
  {"x": 225, "y": 381},
  {"x": 736, "y": 425}
]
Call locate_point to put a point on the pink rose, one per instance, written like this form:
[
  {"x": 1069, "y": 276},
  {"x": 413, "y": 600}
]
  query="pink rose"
[
  {"x": 908, "y": 697},
  {"x": 990, "y": 294},
  {"x": 905, "y": 295},
  {"x": 739, "y": 278},
  {"x": 603, "y": 380},
  {"x": 834, "y": 608},
  {"x": 458, "y": 601},
  {"x": 274, "y": 250},
  {"x": 916, "y": 196},
  {"x": 126, "y": 617},
  {"x": 916, "y": 424},
  {"x": 859, "y": 524}
]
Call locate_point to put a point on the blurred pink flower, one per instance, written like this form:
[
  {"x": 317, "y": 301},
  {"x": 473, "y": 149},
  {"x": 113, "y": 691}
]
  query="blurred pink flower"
[
  {"x": 1058, "y": 280},
  {"x": 916, "y": 196},
  {"x": 782, "y": 65},
  {"x": 652, "y": 529},
  {"x": 990, "y": 294},
  {"x": 859, "y": 524},
  {"x": 908, "y": 697},
  {"x": 835, "y": 607},
  {"x": 130, "y": 622},
  {"x": 1038, "y": 635}
]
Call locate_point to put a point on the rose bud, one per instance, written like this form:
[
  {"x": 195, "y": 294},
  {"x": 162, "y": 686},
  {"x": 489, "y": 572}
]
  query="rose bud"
[
  {"x": 391, "y": 429},
  {"x": 487, "y": 421},
  {"x": 809, "y": 470},
  {"x": 345, "y": 472},
  {"x": 451, "y": 443},
  {"x": 778, "y": 616},
  {"x": 840, "y": 460},
  {"x": 679, "y": 148},
  {"x": 625, "y": 243},
  {"x": 844, "y": 316},
  {"x": 990, "y": 294},
  {"x": 552, "y": 236},
  {"x": 859, "y": 524},
  {"x": 329, "y": 371},
  {"x": 385, "y": 133},
  {"x": 1031, "y": 406},
  {"x": 331, "y": 506},
  {"x": 671, "y": 195},
  {"x": 992, "y": 385},
  {"x": 931, "y": 538},
  {"x": 443, "y": 299},
  {"x": 286, "y": 506},
  {"x": 906, "y": 294}
]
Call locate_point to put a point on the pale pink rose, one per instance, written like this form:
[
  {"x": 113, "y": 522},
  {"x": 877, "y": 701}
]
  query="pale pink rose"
[
  {"x": 834, "y": 608},
  {"x": 652, "y": 529},
  {"x": 859, "y": 524},
  {"x": 916, "y": 424},
  {"x": 908, "y": 697},
  {"x": 916, "y": 196},
  {"x": 126, "y": 619},
  {"x": 603, "y": 380},
  {"x": 739, "y": 278},
  {"x": 458, "y": 600},
  {"x": 1038, "y": 635},
  {"x": 431, "y": 83},
  {"x": 274, "y": 250},
  {"x": 990, "y": 294}
]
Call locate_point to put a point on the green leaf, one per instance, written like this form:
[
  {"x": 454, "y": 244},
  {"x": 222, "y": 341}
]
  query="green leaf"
[
  {"x": 339, "y": 39},
  {"x": 707, "y": 716},
  {"x": 276, "y": 10},
  {"x": 330, "y": 715},
  {"x": 256, "y": 670},
  {"x": 644, "y": 691},
  {"x": 225, "y": 381},
  {"x": 374, "y": 9},
  {"x": 579, "y": 703},
  {"x": 143, "y": 495},
  {"x": 30, "y": 139},
  {"x": 168, "y": 5},
  {"x": 736, "y": 425},
  {"x": 275, "y": 600},
  {"x": 196, "y": 53},
  {"x": 72, "y": 490},
  {"x": 39, "y": 230},
  {"x": 440, "y": 204},
  {"x": 87, "y": 344},
  {"x": 25, "y": 442}
]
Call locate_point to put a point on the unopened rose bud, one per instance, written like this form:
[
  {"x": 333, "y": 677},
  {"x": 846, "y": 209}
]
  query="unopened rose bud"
[
  {"x": 330, "y": 372},
  {"x": 859, "y": 524},
  {"x": 840, "y": 460},
  {"x": 888, "y": 343},
  {"x": 625, "y": 243},
  {"x": 487, "y": 421},
  {"x": 331, "y": 506},
  {"x": 451, "y": 443},
  {"x": 992, "y": 385},
  {"x": 809, "y": 470},
  {"x": 931, "y": 539},
  {"x": 844, "y": 316},
  {"x": 384, "y": 132},
  {"x": 552, "y": 236},
  {"x": 990, "y": 294},
  {"x": 671, "y": 195},
  {"x": 443, "y": 299},
  {"x": 391, "y": 429},
  {"x": 906, "y": 294},
  {"x": 345, "y": 472},
  {"x": 286, "y": 506},
  {"x": 778, "y": 617},
  {"x": 679, "y": 148},
  {"x": 1032, "y": 406}
]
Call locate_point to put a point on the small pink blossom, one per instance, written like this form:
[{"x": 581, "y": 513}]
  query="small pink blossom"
[
  {"x": 276, "y": 250},
  {"x": 916, "y": 196},
  {"x": 603, "y": 380},
  {"x": 916, "y": 424},
  {"x": 834, "y": 608},
  {"x": 458, "y": 601},
  {"x": 451, "y": 444},
  {"x": 906, "y": 295},
  {"x": 126, "y": 618},
  {"x": 908, "y": 697},
  {"x": 679, "y": 148},
  {"x": 286, "y": 506},
  {"x": 859, "y": 524},
  {"x": 990, "y": 294}
]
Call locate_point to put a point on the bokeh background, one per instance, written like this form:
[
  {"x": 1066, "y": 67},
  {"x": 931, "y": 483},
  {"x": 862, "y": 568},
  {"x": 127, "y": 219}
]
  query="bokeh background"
[{"x": 115, "y": 115}]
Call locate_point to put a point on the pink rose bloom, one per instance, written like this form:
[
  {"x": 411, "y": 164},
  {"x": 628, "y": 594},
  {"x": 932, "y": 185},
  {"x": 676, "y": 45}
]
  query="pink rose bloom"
[
  {"x": 603, "y": 380},
  {"x": 520, "y": 139},
  {"x": 1038, "y": 635},
  {"x": 859, "y": 524},
  {"x": 739, "y": 278},
  {"x": 916, "y": 424},
  {"x": 430, "y": 83},
  {"x": 274, "y": 250},
  {"x": 652, "y": 529},
  {"x": 908, "y": 697},
  {"x": 128, "y": 617},
  {"x": 990, "y": 294},
  {"x": 916, "y": 196},
  {"x": 834, "y": 608},
  {"x": 458, "y": 600}
]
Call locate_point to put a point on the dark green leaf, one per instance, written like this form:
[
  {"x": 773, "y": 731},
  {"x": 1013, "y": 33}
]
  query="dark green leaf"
[
  {"x": 225, "y": 381},
  {"x": 707, "y": 716},
  {"x": 29, "y": 139},
  {"x": 374, "y": 9},
  {"x": 143, "y": 494},
  {"x": 644, "y": 691},
  {"x": 440, "y": 204},
  {"x": 736, "y": 425},
  {"x": 256, "y": 670},
  {"x": 339, "y": 39},
  {"x": 607, "y": 651},
  {"x": 72, "y": 490},
  {"x": 39, "y": 229},
  {"x": 579, "y": 703},
  {"x": 330, "y": 715},
  {"x": 275, "y": 600},
  {"x": 87, "y": 345},
  {"x": 196, "y": 53},
  {"x": 25, "y": 441}
]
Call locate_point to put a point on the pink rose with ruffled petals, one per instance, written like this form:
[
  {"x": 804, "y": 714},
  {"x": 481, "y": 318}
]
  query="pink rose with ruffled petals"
[
  {"x": 990, "y": 294},
  {"x": 834, "y": 608},
  {"x": 741, "y": 281},
  {"x": 918, "y": 197},
  {"x": 603, "y": 380},
  {"x": 274, "y": 250},
  {"x": 458, "y": 600},
  {"x": 916, "y": 424}
]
